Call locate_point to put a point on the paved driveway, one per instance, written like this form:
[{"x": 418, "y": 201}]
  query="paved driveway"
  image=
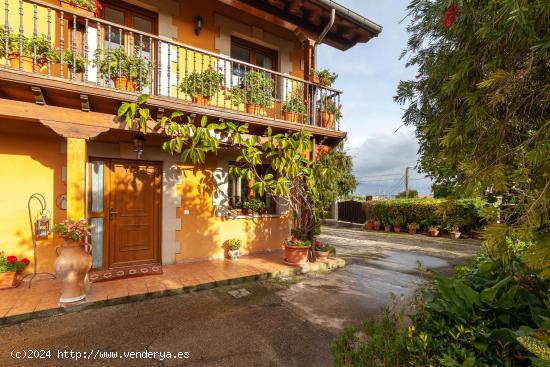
[{"x": 281, "y": 323}]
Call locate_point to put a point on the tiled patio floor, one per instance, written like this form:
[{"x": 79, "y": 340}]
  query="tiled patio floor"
[{"x": 42, "y": 299}]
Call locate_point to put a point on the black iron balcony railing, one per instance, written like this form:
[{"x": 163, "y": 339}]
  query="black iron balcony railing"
[{"x": 41, "y": 38}]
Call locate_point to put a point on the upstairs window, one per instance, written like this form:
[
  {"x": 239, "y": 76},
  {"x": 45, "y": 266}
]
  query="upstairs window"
[{"x": 251, "y": 53}]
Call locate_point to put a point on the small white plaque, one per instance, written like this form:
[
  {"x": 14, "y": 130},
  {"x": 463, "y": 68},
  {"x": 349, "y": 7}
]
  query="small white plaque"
[{"x": 186, "y": 212}]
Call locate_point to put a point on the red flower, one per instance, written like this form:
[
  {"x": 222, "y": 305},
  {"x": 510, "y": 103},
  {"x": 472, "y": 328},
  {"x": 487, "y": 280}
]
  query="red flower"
[
  {"x": 450, "y": 16},
  {"x": 11, "y": 259},
  {"x": 26, "y": 261}
]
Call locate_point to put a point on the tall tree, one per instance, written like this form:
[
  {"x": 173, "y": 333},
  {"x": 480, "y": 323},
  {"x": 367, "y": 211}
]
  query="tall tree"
[
  {"x": 480, "y": 105},
  {"x": 334, "y": 177}
]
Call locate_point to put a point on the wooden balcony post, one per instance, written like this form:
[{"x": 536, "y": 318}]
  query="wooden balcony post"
[
  {"x": 309, "y": 56},
  {"x": 76, "y": 178}
]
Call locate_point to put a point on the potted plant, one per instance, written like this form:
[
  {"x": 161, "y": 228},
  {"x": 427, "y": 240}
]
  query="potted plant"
[
  {"x": 75, "y": 62},
  {"x": 255, "y": 91},
  {"x": 322, "y": 252},
  {"x": 233, "y": 247},
  {"x": 26, "y": 47},
  {"x": 74, "y": 262},
  {"x": 433, "y": 230},
  {"x": 296, "y": 251},
  {"x": 201, "y": 87},
  {"x": 129, "y": 72},
  {"x": 369, "y": 225},
  {"x": 387, "y": 227},
  {"x": 413, "y": 227},
  {"x": 455, "y": 232},
  {"x": 327, "y": 112},
  {"x": 397, "y": 223},
  {"x": 322, "y": 77},
  {"x": 10, "y": 266},
  {"x": 294, "y": 107},
  {"x": 252, "y": 206},
  {"x": 376, "y": 225},
  {"x": 87, "y": 8}
]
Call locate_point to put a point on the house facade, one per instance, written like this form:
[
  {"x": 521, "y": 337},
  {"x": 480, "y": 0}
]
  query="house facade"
[{"x": 65, "y": 70}]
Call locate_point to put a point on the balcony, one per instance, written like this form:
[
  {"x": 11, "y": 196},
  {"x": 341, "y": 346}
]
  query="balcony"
[{"x": 70, "y": 52}]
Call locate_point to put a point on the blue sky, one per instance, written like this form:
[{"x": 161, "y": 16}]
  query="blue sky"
[{"x": 369, "y": 75}]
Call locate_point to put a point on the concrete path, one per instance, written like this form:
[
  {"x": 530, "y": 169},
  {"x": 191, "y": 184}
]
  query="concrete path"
[
  {"x": 280, "y": 323},
  {"x": 379, "y": 265}
]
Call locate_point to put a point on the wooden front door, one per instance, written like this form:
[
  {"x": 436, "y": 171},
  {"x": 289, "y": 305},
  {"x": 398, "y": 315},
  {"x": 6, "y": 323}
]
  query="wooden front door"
[{"x": 134, "y": 202}]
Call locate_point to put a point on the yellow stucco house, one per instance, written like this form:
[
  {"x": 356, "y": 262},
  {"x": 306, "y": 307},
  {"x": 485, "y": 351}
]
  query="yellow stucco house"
[{"x": 63, "y": 76}]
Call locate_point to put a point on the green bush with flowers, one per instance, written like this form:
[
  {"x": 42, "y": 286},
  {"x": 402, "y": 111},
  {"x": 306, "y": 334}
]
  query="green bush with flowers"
[{"x": 12, "y": 263}]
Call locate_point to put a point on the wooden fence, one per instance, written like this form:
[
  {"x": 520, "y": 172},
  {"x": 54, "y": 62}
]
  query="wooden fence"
[{"x": 351, "y": 211}]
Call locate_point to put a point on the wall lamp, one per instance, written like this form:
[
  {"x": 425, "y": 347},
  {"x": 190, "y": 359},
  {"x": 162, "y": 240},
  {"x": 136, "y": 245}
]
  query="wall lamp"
[{"x": 199, "y": 22}]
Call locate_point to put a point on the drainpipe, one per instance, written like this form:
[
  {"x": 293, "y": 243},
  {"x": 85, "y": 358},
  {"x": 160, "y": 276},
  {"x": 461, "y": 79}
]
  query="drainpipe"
[
  {"x": 323, "y": 35},
  {"x": 317, "y": 43}
]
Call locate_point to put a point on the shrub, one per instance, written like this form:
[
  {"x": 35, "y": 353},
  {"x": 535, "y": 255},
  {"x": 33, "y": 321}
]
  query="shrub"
[
  {"x": 378, "y": 342},
  {"x": 467, "y": 213},
  {"x": 206, "y": 83},
  {"x": 488, "y": 314}
]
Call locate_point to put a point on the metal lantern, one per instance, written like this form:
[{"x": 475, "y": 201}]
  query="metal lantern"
[{"x": 42, "y": 224}]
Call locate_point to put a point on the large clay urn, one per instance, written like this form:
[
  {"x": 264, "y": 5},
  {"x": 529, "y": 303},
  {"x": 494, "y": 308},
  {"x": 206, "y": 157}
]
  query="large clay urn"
[{"x": 72, "y": 266}]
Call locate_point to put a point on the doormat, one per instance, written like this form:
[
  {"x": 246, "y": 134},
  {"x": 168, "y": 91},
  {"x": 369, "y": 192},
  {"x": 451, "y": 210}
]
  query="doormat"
[{"x": 102, "y": 275}]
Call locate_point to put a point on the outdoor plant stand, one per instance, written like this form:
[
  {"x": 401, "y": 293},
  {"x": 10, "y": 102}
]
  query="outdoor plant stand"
[{"x": 34, "y": 226}]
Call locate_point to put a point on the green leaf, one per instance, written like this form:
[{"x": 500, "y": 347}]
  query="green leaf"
[
  {"x": 123, "y": 109},
  {"x": 143, "y": 98}
]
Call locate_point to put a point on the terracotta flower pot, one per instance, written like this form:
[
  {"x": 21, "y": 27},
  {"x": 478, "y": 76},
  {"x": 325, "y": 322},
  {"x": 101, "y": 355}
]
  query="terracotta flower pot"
[
  {"x": 325, "y": 119},
  {"x": 296, "y": 255},
  {"x": 200, "y": 99},
  {"x": 233, "y": 254},
  {"x": 8, "y": 280},
  {"x": 314, "y": 79},
  {"x": 387, "y": 228},
  {"x": 376, "y": 226},
  {"x": 434, "y": 232},
  {"x": 72, "y": 266},
  {"x": 290, "y": 116},
  {"x": 124, "y": 84},
  {"x": 322, "y": 256},
  {"x": 397, "y": 229},
  {"x": 26, "y": 63},
  {"x": 412, "y": 231},
  {"x": 252, "y": 108},
  {"x": 77, "y": 9},
  {"x": 455, "y": 235},
  {"x": 369, "y": 225}
]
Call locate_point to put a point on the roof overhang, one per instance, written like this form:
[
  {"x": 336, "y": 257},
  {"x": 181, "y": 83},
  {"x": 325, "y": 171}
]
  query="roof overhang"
[{"x": 311, "y": 16}]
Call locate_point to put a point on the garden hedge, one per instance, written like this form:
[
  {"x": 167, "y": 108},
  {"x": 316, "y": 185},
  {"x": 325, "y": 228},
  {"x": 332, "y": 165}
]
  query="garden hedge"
[{"x": 465, "y": 213}]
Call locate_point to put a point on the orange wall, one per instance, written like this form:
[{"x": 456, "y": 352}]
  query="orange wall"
[
  {"x": 28, "y": 164},
  {"x": 203, "y": 234},
  {"x": 189, "y": 9}
]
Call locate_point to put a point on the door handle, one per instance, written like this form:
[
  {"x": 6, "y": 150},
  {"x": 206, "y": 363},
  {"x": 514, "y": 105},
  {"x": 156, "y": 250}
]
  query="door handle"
[{"x": 112, "y": 213}]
